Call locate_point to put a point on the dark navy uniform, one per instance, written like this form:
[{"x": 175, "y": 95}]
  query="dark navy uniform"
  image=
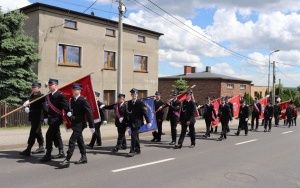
[
  {"x": 277, "y": 113},
  {"x": 159, "y": 118},
  {"x": 59, "y": 101},
  {"x": 231, "y": 110},
  {"x": 243, "y": 119},
  {"x": 120, "y": 122},
  {"x": 225, "y": 115},
  {"x": 289, "y": 115},
  {"x": 136, "y": 111},
  {"x": 255, "y": 115},
  {"x": 268, "y": 115},
  {"x": 35, "y": 113},
  {"x": 187, "y": 119},
  {"x": 208, "y": 111},
  {"x": 173, "y": 117},
  {"x": 97, "y": 135}
]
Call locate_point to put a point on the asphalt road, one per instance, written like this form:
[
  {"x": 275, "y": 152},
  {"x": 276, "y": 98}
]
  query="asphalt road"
[{"x": 260, "y": 159}]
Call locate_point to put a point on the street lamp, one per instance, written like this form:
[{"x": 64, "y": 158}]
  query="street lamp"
[{"x": 269, "y": 70}]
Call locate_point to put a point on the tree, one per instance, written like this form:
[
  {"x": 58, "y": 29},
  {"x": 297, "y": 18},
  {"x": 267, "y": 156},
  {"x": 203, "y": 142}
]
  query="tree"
[
  {"x": 180, "y": 85},
  {"x": 248, "y": 99},
  {"x": 18, "y": 55}
]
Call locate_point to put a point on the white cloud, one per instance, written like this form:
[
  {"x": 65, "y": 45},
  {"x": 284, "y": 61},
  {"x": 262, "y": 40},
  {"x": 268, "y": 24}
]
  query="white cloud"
[
  {"x": 9, "y": 5},
  {"x": 223, "y": 68}
]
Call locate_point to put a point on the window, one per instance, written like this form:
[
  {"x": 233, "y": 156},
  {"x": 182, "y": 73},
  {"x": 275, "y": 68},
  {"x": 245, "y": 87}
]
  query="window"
[
  {"x": 110, "y": 32},
  {"x": 242, "y": 86},
  {"x": 69, "y": 55},
  {"x": 109, "y": 97},
  {"x": 109, "y": 60},
  {"x": 141, "y": 38},
  {"x": 143, "y": 93},
  {"x": 70, "y": 24},
  {"x": 140, "y": 63},
  {"x": 230, "y": 86}
]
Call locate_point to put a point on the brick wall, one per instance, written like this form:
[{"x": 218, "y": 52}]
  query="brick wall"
[{"x": 204, "y": 88}]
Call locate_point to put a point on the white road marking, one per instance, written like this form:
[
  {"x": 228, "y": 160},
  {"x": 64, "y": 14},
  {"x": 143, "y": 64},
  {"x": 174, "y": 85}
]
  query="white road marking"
[
  {"x": 142, "y": 165},
  {"x": 245, "y": 142},
  {"x": 287, "y": 132}
]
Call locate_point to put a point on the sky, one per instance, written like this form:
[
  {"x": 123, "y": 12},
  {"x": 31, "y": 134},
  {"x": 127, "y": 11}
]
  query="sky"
[{"x": 234, "y": 37}]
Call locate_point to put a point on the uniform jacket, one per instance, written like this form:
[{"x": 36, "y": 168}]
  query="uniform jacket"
[
  {"x": 160, "y": 113},
  {"x": 81, "y": 111},
  {"x": 37, "y": 107},
  {"x": 187, "y": 111},
  {"x": 277, "y": 110},
  {"x": 254, "y": 112},
  {"x": 269, "y": 111},
  {"x": 136, "y": 112},
  {"x": 101, "y": 111},
  {"x": 173, "y": 107},
  {"x": 122, "y": 113},
  {"x": 231, "y": 108},
  {"x": 209, "y": 110},
  {"x": 59, "y": 100},
  {"x": 224, "y": 112},
  {"x": 289, "y": 112},
  {"x": 244, "y": 112}
]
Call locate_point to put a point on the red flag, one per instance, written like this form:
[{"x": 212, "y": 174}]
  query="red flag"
[
  {"x": 263, "y": 103},
  {"x": 216, "y": 104},
  {"x": 283, "y": 106},
  {"x": 87, "y": 92},
  {"x": 236, "y": 105}
]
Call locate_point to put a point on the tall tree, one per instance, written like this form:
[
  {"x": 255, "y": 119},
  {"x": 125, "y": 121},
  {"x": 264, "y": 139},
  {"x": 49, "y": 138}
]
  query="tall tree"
[
  {"x": 180, "y": 85},
  {"x": 18, "y": 55}
]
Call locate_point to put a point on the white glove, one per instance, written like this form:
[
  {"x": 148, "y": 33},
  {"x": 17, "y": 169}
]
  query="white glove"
[
  {"x": 104, "y": 122},
  {"x": 27, "y": 110},
  {"x": 102, "y": 106},
  {"x": 121, "y": 119},
  {"x": 149, "y": 125},
  {"x": 69, "y": 114},
  {"x": 26, "y": 103},
  {"x": 246, "y": 119},
  {"x": 46, "y": 121},
  {"x": 92, "y": 130}
]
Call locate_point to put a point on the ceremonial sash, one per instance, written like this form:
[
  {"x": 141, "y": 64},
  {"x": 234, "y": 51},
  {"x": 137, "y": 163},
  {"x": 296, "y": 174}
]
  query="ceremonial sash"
[
  {"x": 176, "y": 113},
  {"x": 256, "y": 108},
  {"x": 117, "y": 111},
  {"x": 52, "y": 106}
]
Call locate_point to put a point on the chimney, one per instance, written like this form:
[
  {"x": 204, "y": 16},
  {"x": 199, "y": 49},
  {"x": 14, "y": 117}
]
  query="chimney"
[
  {"x": 208, "y": 69},
  {"x": 193, "y": 69},
  {"x": 92, "y": 13},
  {"x": 187, "y": 70}
]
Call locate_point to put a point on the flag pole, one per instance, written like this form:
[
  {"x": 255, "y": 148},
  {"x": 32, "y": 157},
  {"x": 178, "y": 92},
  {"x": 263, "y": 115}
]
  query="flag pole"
[{"x": 21, "y": 107}]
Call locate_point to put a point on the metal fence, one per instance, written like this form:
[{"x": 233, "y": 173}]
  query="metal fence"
[{"x": 18, "y": 118}]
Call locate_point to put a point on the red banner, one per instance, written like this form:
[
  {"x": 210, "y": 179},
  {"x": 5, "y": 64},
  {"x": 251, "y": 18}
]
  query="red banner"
[
  {"x": 87, "y": 92},
  {"x": 216, "y": 104},
  {"x": 236, "y": 105},
  {"x": 283, "y": 106},
  {"x": 263, "y": 103}
]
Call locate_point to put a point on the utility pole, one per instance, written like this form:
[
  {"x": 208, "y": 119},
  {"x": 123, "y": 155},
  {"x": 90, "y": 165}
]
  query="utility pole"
[
  {"x": 269, "y": 69},
  {"x": 279, "y": 87},
  {"x": 273, "y": 99},
  {"x": 120, "y": 46}
]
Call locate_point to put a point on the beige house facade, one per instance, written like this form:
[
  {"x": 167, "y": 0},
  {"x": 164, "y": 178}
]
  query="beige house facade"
[{"x": 72, "y": 45}]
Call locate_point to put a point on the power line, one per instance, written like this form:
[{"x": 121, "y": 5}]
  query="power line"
[
  {"x": 288, "y": 64},
  {"x": 214, "y": 42}
]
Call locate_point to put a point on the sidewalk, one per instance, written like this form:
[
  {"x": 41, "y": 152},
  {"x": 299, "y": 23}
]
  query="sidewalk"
[{"x": 17, "y": 138}]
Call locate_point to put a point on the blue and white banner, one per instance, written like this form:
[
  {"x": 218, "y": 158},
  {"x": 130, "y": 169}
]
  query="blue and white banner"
[{"x": 149, "y": 102}]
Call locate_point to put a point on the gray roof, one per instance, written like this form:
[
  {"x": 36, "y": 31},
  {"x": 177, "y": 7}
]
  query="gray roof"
[{"x": 204, "y": 75}]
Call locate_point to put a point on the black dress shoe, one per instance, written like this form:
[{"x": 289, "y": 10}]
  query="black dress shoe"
[
  {"x": 64, "y": 164},
  {"x": 265, "y": 130},
  {"x": 220, "y": 139},
  {"x": 269, "y": 130},
  {"x": 246, "y": 134},
  {"x": 60, "y": 155},
  {"x": 99, "y": 144},
  {"x": 25, "y": 153},
  {"x": 137, "y": 152},
  {"x": 157, "y": 140},
  {"x": 178, "y": 146},
  {"x": 130, "y": 154},
  {"x": 123, "y": 147},
  {"x": 89, "y": 146},
  {"x": 115, "y": 150},
  {"x": 237, "y": 134},
  {"x": 172, "y": 143},
  {"x": 153, "y": 140},
  {"x": 45, "y": 159},
  {"x": 192, "y": 146},
  {"x": 82, "y": 160},
  {"x": 39, "y": 150}
]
